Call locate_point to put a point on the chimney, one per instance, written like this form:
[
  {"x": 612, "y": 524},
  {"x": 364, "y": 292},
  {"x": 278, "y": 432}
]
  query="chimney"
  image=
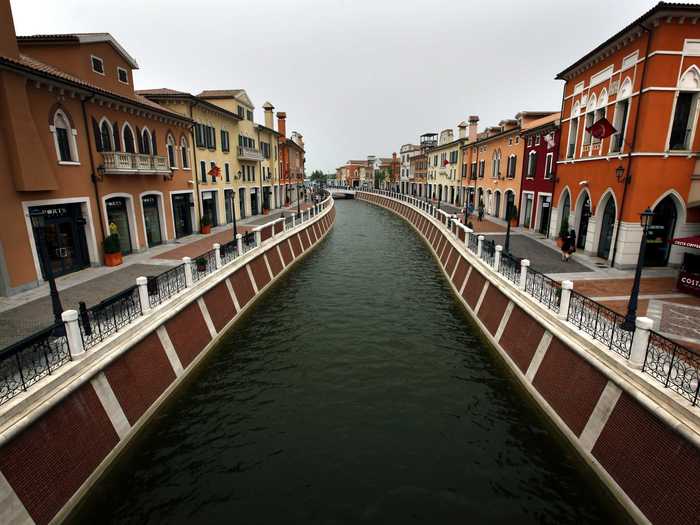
[
  {"x": 462, "y": 130},
  {"x": 473, "y": 124},
  {"x": 269, "y": 116},
  {"x": 8, "y": 37},
  {"x": 281, "y": 123}
]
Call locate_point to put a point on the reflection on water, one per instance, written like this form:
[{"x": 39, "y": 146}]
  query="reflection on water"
[{"x": 357, "y": 390}]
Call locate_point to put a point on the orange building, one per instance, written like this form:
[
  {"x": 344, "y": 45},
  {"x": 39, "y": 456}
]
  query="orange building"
[
  {"x": 349, "y": 173},
  {"x": 80, "y": 151},
  {"x": 645, "y": 80}
]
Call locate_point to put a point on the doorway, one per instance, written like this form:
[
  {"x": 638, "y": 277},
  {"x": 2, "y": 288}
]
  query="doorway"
[
  {"x": 545, "y": 208},
  {"x": 241, "y": 202},
  {"x": 583, "y": 222},
  {"x": 209, "y": 207},
  {"x": 151, "y": 217},
  {"x": 497, "y": 207},
  {"x": 228, "y": 205},
  {"x": 663, "y": 226},
  {"x": 182, "y": 214},
  {"x": 254, "y": 201},
  {"x": 118, "y": 214},
  {"x": 607, "y": 227}
]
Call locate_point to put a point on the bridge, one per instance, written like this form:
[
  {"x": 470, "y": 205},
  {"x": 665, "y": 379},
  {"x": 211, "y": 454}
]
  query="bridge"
[{"x": 342, "y": 193}]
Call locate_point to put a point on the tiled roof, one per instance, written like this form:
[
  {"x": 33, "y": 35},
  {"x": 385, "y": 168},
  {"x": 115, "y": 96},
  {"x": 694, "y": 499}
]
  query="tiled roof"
[
  {"x": 549, "y": 119},
  {"x": 33, "y": 65},
  {"x": 83, "y": 38},
  {"x": 212, "y": 93},
  {"x": 159, "y": 91}
]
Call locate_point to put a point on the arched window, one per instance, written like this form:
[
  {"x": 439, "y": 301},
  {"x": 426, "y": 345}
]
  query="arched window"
[
  {"x": 145, "y": 145},
  {"x": 64, "y": 137},
  {"x": 128, "y": 136},
  {"x": 185, "y": 153},
  {"x": 496, "y": 164},
  {"x": 170, "y": 142},
  {"x": 590, "y": 119},
  {"x": 106, "y": 136},
  {"x": 622, "y": 106},
  {"x": 685, "y": 112},
  {"x": 531, "y": 164},
  {"x": 573, "y": 131}
]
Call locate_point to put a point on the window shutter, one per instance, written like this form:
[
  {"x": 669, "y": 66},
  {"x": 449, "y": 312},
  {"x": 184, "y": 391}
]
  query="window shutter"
[
  {"x": 213, "y": 137},
  {"x": 115, "y": 133},
  {"x": 139, "y": 139},
  {"x": 98, "y": 135},
  {"x": 154, "y": 142}
]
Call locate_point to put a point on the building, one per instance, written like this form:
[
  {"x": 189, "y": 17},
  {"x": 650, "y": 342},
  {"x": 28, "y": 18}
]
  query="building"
[
  {"x": 444, "y": 175},
  {"x": 350, "y": 173},
  {"x": 418, "y": 173},
  {"x": 645, "y": 80},
  {"x": 81, "y": 151},
  {"x": 407, "y": 152},
  {"x": 539, "y": 171},
  {"x": 292, "y": 159}
]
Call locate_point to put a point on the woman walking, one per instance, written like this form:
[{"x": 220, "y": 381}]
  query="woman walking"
[{"x": 569, "y": 246}]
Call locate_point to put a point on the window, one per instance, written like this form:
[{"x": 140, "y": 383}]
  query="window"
[
  {"x": 517, "y": 139},
  {"x": 203, "y": 170},
  {"x": 212, "y": 165},
  {"x": 620, "y": 123},
  {"x": 225, "y": 145},
  {"x": 129, "y": 145},
  {"x": 590, "y": 110},
  {"x": 123, "y": 75},
  {"x": 64, "y": 139},
  {"x": 453, "y": 157},
  {"x": 184, "y": 151},
  {"x": 265, "y": 148},
  {"x": 145, "y": 145},
  {"x": 529, "y": 142},
  {"x": 482, "y": 168},
  {"x": 227, "y": 172},
  {"x": 512, "y": 160},
  {"x": 171, "y": 152},
  {"x": 249, "y": 115},
  {"x": 510, "y": 141},
  {"x": 548, "y": 165},
  {"x": 496, "y": 165},
  {"x": 252, "y": 172},
  {"x": 683, "y": 119},
  {"x": 537, "y": 139},
  {"x": 97, "y": 65},
  {"x": 199, "y": 135},
  {"x": 106, "y": 136},
  {"x": 473, "y": 173},
  {"x": 573, "y": 133},
  {"x": 209, "y": 137},
  {"x": 241, "y": 112},
  {"x": 531, "y": 164}
]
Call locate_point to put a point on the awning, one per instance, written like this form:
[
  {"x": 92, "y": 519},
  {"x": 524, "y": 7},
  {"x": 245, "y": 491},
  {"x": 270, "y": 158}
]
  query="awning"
[{"x": 688, "y": 242}]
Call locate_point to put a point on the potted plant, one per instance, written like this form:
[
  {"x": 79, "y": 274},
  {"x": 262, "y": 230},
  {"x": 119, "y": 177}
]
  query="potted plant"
[
  {"x": 111, "y": 247},
  {"x": 563, "y": 232},
  {"x": 201, "y": 263},
  {"x": 204, "y": 225}
]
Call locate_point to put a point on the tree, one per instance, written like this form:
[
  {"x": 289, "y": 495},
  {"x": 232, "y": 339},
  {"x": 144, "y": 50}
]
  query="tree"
[
  {"x": 379, "y": 178},
  {"x": 318, "y": 176}
]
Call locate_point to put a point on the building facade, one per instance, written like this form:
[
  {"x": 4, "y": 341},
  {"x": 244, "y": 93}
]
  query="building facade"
[
  {"x": 407, "y": 152},
  {"x": 444, "y": 175},
  {"x": 645, "y": 80}
]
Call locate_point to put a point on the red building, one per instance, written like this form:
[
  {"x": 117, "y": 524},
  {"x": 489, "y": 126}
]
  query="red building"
[{"x": 539, "y": 167}]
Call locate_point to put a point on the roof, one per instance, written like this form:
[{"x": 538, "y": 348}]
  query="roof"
[
  {"x": 29, "y": 65},
  {"x": 661, "y": 6},
  {"x": 160, "y": 91},
  {"x": 81, "y": 38},
  {"x": 172, "y": 94},
  {"x": 265, "y": 128},
  {"x": 220, "y": 93},
  {"x": 545, "y": 121}
]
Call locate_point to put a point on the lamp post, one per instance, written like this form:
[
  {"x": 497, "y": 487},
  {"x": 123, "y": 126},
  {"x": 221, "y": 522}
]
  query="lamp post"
[
  {"x": 233, "y": 212},
  {"x": 298, "y": 205},
  {"x": 510, "y": 209},
  {"x": 630, "y": 318},
  {"x": 38, "y": 222}
]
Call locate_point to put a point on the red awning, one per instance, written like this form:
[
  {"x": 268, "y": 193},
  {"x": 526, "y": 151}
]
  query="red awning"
[{"x": 688, "y": 242}]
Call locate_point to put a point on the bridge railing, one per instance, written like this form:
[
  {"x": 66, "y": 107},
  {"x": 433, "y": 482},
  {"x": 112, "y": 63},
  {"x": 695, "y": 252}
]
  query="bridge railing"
[
  {"x": 27, "y": 361},
  {"x": 668, "y": 362}
]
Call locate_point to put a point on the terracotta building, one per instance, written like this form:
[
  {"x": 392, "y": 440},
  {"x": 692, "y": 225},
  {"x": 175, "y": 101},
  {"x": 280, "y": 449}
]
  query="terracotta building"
[
  {"x": 645, "y": 80},
  {"x": 349, "y": 173},
  {"x": 81, "y": 151}
]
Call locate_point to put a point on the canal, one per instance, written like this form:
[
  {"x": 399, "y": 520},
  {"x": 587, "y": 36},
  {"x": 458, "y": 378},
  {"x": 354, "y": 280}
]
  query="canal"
[{"x": 356, "y": 390}]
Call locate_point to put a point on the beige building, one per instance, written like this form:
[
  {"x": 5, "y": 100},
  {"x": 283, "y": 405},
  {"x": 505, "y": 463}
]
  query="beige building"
[{"x": 444, "y": 176}]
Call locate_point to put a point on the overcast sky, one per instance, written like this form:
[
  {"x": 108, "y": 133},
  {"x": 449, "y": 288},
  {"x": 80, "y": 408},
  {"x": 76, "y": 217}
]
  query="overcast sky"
[{"x": 356, "y": 77}]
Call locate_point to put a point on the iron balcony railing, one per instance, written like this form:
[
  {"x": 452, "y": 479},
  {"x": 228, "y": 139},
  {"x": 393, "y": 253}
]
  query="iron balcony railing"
[
  {"x": 246, "y": 153},
  {"x": 545, "y": 289},
  {"x": 204, "y": 265},
  {"x": 673, "y": 365},
  {"x": 600, "y": 322},
  {"x": 509, "y": 267},
  {"x": 163, "y": 286},
  {"x": 109, "y": 316}
]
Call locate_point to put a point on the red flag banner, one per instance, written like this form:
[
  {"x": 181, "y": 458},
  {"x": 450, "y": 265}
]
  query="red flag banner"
[
  {"x": 214, "y": 172},
  {"x": 601, "y": 129},
  {"x": 445, "y": 162}
]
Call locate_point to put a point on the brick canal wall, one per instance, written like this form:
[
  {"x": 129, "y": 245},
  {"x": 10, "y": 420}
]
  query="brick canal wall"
[
  {"x": 55, "y": 441},
  {"x": 639, "y": 440}
]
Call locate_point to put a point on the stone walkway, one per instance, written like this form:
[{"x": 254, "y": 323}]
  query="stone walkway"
[{"x": 542, "y": 259}]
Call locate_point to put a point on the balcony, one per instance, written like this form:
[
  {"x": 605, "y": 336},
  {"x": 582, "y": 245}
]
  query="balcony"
[
  {"x": 116, "y": 162},
  {"x": 246, "y": 153}
]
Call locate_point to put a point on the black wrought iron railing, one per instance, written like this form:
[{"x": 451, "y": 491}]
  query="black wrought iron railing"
[
  {"x": 509, "y": 267},
  {"x": 109, "y": 316},
  {"x": 163, "y": 286},
  {"x": 203, "y": 265},
  {"x": 545, "y": 289},
  {"x": 673, "y": 365},
  {"x": 600, "y": 322},
  {"x": 229, "y": 251},
  {"x": 488, "y": 251},
  {"x": 25, "y": 362},
  {"x": 473, "y": 242}
]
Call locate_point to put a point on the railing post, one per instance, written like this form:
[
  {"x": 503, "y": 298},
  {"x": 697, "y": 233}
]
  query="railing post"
[
  {"x": 188, "y": 271},
  {"x": 142, "y": 283},
  {"x": 239, "y": 244},
  {"x": 524, "y": 264},
  {"x": 497, "y": 257},
  {"x": 75, "y": 340},
  {"x": 566, "y": 287},
  {"x": 258, "y": 238},
  {"x": 217, "y": 254},
  {"x": 640, "y": 341},
  {"x": 479, "y": 245}
]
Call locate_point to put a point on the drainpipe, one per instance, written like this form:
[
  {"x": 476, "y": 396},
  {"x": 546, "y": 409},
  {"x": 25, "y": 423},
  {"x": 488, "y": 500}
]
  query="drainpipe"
[
  {"x": 93, "y": 177},
  {"x": 628, "y": 175},
  {"x": 556, "y": 175},
  {"x": 195, "y": 168}
]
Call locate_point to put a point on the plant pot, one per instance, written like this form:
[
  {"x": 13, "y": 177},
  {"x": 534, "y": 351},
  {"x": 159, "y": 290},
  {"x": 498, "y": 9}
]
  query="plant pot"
[
  {"x": 560, "y": 242},
  {"x": 514, "y": 222},
  {"x": 205, "y": 229},
  {"x": 202, "y": 267},
  {"x": 113, "y": 259}
]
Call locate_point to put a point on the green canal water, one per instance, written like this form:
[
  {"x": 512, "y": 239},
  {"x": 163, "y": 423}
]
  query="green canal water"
[{"x": 356, "y": 391}]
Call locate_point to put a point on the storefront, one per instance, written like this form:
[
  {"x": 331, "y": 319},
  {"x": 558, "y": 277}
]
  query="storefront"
[
  {"x": 59, "y": 235},
  {"x": 118, "y": 214},
  {"x": 151, "y": 217},
  {"x": 254, "y": 201},
  {"x": 241, "y": 202},
  {"x": 689, "y": 274},
  {"x": 543, "y": 213},
  {"x": 228, "y": 205},
  {"x": 182, "y": 214},
  {"x": 209, "y": 207}
]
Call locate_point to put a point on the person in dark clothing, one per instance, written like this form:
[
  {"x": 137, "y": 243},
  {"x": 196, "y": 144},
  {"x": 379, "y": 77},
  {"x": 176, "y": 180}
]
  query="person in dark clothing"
[
  {"x": 481, "y": 212},
  {"x": 569, "y": 246}
]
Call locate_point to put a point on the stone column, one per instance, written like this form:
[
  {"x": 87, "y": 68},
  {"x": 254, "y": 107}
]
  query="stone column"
[
  {"x": 73, "y": 336},
  {"x": 217, "y": 255},
  {"x": 239, "y": 243},
  {"x": 294, "y": 220},
  {"x": 142, "y": 283},
  {"x": 188, "y": 271},
  {"x": 640, "y": 341},
  {"x": 258, "y": 238},
  {"x": 524, "y": 264},
  {"x": 566, "y": 287},
  {"x": 497, "y": 257},
  {"x": 479, "y": 245}
]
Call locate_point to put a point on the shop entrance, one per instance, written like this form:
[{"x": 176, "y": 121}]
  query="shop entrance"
[
  {"x": 118, "y": 214},
  {"x": 209, "y": 207},
  {"x": 606, "y": 229},
  {"x": 182, "y": 213},
  {"x": 583, "y": 223},
  {"x": 151, "y": 217},
  {"x": 59, "y": 232},
  {"x": 228, "y": 205}
]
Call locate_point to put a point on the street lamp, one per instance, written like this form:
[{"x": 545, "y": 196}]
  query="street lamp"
[
  {"x": 629, "y": 322},
  {"x": 620, "y": 173},
  {"x": 233, "y": 209},
  {"x": 298, "y": 205},
  {"x": 509, "y": 216},
  {"x": 38, "y": 222}
]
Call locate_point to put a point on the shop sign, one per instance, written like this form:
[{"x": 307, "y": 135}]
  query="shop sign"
[
  {"x": 689, "y": 282},
  {"x": 149, "y": 200}
]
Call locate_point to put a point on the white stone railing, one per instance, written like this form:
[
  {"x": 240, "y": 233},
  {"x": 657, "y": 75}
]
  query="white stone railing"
[{"x": 120, "y": 162}]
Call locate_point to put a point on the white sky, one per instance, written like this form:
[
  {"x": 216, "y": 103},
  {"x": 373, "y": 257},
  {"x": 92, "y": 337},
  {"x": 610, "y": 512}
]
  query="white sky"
[{"x": 356, "y": 77}]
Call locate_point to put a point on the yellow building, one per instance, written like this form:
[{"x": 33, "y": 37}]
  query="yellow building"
[{"x": 444, "y": 176}]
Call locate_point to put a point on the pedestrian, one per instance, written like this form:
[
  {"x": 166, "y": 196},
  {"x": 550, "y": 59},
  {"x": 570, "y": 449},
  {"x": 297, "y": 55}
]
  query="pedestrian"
[
  {"x": 481, "y": 212},
  {"x": 569, "y": 246}
]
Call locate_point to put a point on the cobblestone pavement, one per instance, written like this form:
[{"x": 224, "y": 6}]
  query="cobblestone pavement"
[
  {"x": 542, "y": 258},
  {"x": 30, "y": 317}
]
